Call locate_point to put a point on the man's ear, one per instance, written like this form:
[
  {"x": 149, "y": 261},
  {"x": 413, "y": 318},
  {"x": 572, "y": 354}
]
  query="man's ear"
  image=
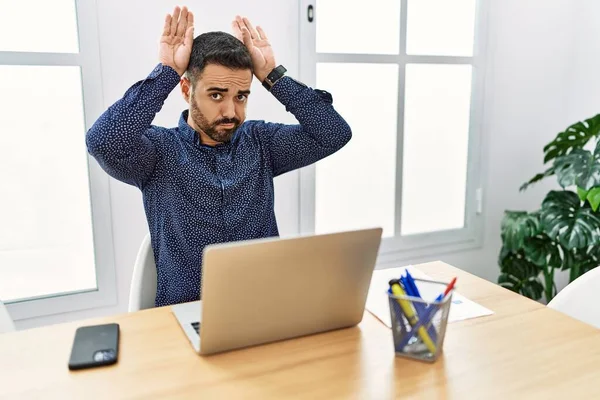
[{"x": 186, "y": 88}]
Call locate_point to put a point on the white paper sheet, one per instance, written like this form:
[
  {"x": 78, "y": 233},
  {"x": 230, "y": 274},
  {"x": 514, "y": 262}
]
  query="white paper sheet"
[{"x": 378, "y": 305}]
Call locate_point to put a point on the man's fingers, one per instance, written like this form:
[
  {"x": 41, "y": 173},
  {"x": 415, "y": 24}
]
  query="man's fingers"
[
  {"x": 189, "y": 37},
  {"x": 237, "y": 32},
  {"x": 190, "y": 19},
  {"x": 247, "y": 38},
  {"x": 253, "y": 32},
  {"x": 262, "y": 33},
  {"x": 167, "y": 28},
  {"x": 182, "y": 23},
  {"x": 240, "y": 26},
  {"x": 236, "y": 28},
  {"x": 174, "y": 21}
]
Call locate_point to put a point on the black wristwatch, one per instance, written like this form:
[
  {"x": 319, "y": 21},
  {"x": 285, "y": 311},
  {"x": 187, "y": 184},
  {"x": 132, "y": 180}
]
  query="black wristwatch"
[{"x": 274, "y": 76}]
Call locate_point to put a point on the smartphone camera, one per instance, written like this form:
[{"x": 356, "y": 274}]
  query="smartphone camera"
[{"x": 104, "y": 355}]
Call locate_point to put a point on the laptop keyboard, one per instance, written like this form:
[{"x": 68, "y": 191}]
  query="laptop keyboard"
[{"x": 196, "y": 326}]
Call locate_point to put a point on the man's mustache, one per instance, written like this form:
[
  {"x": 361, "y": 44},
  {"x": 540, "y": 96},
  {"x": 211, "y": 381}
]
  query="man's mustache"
[{"x": 227, "y": 121}]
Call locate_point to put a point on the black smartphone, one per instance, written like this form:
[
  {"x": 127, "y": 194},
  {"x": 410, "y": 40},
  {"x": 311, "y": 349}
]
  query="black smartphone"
[{"x": 95, "y": 346}]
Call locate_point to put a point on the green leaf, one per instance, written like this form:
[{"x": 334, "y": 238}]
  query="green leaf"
[
  {"x": 580, "y": 261},
  {"x": 593, "y": 197},
  {"x": 519, "y": 275},
  {"x": 575, "y": 272},
  {"x": 517, "y": 226},
  {"x": 568, "y": 259},
  {"x": 555, "y": 260},
  {"x": 575, "y": 136},
  {"x": 580, "y": 167},
  {"x": 582, "y": 193},
  {"x": 542, "y": 251},
  {"x": 564, "y": 220},
  {"x": 591, "y": 260},
  {"x": 537, "y": 178}
]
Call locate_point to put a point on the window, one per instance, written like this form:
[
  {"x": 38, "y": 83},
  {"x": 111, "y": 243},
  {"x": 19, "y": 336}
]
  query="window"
[
  {"x": 407, "y": 75},
  {"x": 54, "y": 257}
]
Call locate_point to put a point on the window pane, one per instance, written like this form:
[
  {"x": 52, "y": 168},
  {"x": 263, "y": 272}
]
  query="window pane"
[
  {"x": 357, "y": 27},
  {"x": 436, "y": 135},
  {"x": 355, "y": 188},
  {"x": 39, "y": 26},
  {"x": 440, "y": 27},
  {"x": 46, "y": 242}
]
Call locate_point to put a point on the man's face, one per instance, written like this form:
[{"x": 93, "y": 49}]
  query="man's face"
[{"x": 218, "y": 101}]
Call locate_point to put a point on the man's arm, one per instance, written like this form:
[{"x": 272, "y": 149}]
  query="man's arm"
[
  {"x": 117, "y": 140},
  {"x": 321, "y": 132}
]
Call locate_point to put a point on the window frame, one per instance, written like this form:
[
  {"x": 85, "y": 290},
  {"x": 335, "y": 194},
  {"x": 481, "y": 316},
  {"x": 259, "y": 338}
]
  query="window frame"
[
  {"x": 399, "y": 248},
  {"x": 88, "y": 59}
]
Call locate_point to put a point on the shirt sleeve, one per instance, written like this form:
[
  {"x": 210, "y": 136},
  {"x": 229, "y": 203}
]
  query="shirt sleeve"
[
  {"x": 321, "y": 130},
  {"x": 117, "y": 140}
]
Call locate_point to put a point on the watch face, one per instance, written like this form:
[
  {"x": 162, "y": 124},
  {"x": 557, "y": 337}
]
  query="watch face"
[{"x": 274, "y": 76}]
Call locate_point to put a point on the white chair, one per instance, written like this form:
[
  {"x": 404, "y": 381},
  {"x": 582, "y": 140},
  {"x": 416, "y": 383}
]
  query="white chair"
[
  {"x": 142, "y": 291},
  {"x": 578, "y": 298},
  {"x": 6, "y": 322}
]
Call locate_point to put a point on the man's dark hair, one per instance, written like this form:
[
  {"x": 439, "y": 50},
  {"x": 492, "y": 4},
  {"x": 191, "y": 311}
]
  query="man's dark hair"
[{"x": 217, "y": 48}]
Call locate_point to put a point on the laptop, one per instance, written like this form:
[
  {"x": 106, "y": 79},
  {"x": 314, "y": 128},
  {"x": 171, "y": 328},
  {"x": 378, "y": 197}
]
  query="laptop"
[{"x": 266, "y": 290}]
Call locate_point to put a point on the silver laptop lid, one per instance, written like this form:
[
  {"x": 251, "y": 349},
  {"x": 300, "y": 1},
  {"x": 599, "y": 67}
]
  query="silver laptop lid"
[{"x": 266, "y": 290}]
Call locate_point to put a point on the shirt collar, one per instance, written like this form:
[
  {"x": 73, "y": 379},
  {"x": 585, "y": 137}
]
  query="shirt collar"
[
  {"x": 187, "y": 132},
  {"x": 190, "y": 135}
]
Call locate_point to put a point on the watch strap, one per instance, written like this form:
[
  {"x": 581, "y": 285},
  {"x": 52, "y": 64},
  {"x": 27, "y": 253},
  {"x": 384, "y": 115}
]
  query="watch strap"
[{"x": 276, "y": 74}]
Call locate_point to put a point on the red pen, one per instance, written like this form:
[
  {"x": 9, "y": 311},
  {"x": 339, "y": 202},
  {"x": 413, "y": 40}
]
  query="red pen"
[
  {"x": 448, "y": 289},
  {"x": 450, "y": 286}
]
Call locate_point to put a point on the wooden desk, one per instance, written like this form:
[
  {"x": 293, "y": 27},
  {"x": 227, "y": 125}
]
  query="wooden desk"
[{"x": 524, "y": 350}]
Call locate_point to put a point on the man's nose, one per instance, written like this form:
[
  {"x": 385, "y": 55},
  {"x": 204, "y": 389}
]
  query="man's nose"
[{"x": 228, "y": 109}]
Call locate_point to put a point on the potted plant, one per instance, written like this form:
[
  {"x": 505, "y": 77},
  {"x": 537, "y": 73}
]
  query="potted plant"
[{"x": 564, "y": 234}]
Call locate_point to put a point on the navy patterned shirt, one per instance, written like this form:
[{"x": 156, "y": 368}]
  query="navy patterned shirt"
[{"x": 195, "y": 195}]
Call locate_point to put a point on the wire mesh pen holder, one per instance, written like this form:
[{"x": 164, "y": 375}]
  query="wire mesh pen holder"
[{"x": 419, "y": 325}]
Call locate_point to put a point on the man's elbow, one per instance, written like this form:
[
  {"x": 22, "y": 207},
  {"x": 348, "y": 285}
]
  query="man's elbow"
[
  {"x": 92, "y": 140},
  {"x": 347, "y": 133},
  {"x": 344, "y": 134},
  {"x": 96, "y": 137}
]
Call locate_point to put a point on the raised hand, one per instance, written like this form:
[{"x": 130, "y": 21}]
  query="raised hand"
[
  {"x": 257, "y": 42},
  {"x": 176, "y": 40}
]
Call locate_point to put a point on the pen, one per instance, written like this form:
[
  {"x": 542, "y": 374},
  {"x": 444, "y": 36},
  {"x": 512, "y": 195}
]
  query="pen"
[
  {"x": 448, "y": 289},
  {"x": 423, "y": 321},
  {"x": 411, "y": 282},
  {"x": 411, "y": 289},
  {"x": 410, "y": 315},
  {"x": 429, "y": 313}
]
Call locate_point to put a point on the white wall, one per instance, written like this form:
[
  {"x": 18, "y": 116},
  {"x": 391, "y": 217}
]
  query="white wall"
[
  {"x": 542, "y": 65},
  {"x": 528, "y": 96},
  {"x": 584, "y": 97}
]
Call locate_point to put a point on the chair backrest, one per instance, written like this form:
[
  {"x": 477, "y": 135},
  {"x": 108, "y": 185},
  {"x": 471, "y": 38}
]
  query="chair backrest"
[
  {"x": 6, "y": 322},
  {"x": 142, "y": 292},
  {"x": 578, "y": 299}
]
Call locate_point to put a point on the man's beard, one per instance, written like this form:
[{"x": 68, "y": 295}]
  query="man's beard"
[{"x": 212, "y": 130}]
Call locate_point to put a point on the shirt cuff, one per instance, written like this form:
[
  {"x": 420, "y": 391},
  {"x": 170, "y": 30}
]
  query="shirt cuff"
[
  {"x": 287, "y": 89},
  {"x": 166, "y": 75}
]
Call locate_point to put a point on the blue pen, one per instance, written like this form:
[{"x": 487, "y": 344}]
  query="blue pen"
[
  {"x": 411, "y": 281},
  {"x": 425, "y": 319},
  {"x": 428, "y": 315},
  {"x": 412, "y": 290}
]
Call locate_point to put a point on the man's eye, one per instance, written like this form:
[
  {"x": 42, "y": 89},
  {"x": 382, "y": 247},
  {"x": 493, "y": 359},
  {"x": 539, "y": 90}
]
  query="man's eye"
[
  {"x": 216, "y": 96},
  {"x": 242, "y": 97}
]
